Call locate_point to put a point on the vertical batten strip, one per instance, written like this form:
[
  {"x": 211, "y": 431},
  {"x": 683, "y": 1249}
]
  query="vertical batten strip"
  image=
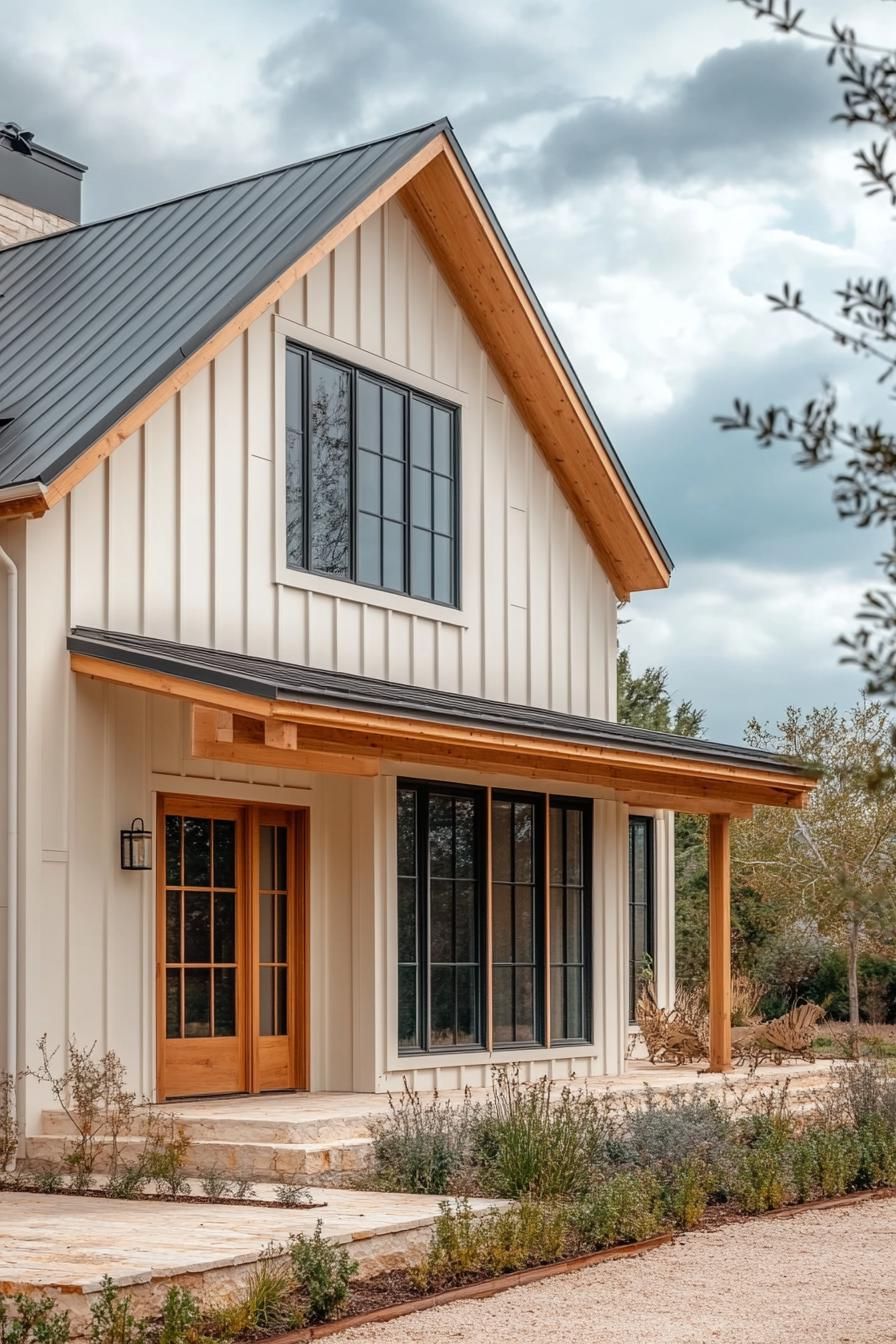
[{"x": 719, "y": 943}]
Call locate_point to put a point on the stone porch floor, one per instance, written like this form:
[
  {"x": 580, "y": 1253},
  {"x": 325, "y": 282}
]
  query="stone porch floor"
[{"x": 353, "y": 1108}]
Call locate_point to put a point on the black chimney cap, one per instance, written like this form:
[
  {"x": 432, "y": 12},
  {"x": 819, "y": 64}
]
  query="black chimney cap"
[{"x": 34, "y": 175}]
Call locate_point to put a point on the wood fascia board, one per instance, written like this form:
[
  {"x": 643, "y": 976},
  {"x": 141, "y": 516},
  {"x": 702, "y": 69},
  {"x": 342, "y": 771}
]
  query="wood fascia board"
[
  {"x": 138, "y": 415},
  {"x": 323, "y": 728},
  {"x": 421, "y": 198}
]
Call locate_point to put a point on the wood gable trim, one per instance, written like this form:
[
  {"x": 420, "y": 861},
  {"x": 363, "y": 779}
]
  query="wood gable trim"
[
  {"x": 435, "y": 190},
  {"x": 448, "y": 214}
]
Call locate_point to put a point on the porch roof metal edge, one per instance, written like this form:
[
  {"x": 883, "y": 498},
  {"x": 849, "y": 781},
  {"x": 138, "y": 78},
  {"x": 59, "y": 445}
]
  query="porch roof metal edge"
[{"x": 268, "y": 679}]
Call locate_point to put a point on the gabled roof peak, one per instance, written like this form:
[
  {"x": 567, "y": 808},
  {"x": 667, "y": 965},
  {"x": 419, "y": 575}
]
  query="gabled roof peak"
[{"x": 440, "y": 124}]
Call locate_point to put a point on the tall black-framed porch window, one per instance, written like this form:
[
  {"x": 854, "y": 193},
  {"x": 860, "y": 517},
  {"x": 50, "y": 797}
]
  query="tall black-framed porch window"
[
  {"x": 447, "y": 894},
  {"x": 641, "y": 905},
  {"x": 372, "y": 477},
  {"x": 517, "y": 895},
  {"x": 571, "y": 824},
  {"x": 441, "y": 881}
]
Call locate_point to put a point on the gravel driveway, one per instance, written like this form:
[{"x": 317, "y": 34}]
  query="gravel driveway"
[{"x": 819, "y": 1278}]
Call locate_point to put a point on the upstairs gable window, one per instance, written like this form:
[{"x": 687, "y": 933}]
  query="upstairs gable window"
[{"x": 371, "y": 479}]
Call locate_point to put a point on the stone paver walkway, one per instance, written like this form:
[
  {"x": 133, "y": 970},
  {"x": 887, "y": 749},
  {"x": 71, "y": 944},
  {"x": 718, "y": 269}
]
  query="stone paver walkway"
[{"x": 70, "y": 1242}]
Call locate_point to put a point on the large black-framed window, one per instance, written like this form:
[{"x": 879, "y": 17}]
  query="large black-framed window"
[
  {"x": 372, "y": 479},
  {"x": 641, "y": 905},
  {"x": 517, "y": 895},
  {"x": 444, "y": 895},
  {"x": 441, "y": 883},
  {"x": 571, "y": 823}
]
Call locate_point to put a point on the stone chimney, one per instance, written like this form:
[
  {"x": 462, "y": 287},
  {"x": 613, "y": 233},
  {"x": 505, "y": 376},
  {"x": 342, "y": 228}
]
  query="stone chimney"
[{"x": 40, "y": 190}]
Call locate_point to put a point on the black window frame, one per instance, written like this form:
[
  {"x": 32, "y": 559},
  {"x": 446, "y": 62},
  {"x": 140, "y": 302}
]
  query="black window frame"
[
  {"x": 648, "y": 824},
  {"x": 410, "y": 395},
  {"x": 537, "y": 801},
  {"x": 586, "y": 807},
  {"x": 423, "y": 790}
]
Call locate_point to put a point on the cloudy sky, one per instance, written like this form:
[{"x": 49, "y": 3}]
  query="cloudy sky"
[{"x": 658, "y": 166}]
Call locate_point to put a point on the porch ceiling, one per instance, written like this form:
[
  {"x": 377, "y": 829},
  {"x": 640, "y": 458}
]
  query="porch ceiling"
[{"x": 263, "y": 712}]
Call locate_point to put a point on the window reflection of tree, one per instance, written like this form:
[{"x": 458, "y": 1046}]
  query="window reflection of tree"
[
  {"x": 330, "y": 469},
  {"x": 295, "y": 520}
]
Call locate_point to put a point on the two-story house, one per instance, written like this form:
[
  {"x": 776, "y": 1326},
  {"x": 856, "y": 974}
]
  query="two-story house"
[{"x": 313, "y": 545}]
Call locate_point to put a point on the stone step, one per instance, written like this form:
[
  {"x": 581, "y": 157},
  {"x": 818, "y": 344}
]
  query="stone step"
[
  {"x": 328, "y": 1129},
  {"x": 260, "y": 1161}
]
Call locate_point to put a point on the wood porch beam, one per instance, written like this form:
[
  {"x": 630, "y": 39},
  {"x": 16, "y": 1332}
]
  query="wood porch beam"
[
  {"x": 687, "y": 803},
  {"x": 719, "y": 943}
]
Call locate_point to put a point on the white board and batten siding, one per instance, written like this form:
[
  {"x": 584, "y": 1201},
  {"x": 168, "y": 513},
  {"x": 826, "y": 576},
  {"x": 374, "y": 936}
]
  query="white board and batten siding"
[{"x": 178, "y": 535}]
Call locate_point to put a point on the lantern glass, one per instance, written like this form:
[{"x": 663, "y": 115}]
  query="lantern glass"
[{"x": 136, "y": 846}]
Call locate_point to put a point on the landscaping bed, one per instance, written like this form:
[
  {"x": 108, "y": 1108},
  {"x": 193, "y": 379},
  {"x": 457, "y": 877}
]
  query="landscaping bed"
[{"x": 579, "y": 1176}]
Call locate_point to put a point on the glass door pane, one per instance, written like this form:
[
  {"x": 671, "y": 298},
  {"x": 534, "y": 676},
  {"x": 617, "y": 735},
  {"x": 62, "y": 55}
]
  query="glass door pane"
[
  {"x": 273, "y": 931},
  {"x": 200, "y": 927}
]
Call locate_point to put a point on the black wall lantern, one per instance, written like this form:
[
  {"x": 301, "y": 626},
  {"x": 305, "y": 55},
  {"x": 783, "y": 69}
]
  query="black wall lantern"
[{"x": 136, "y": 846}]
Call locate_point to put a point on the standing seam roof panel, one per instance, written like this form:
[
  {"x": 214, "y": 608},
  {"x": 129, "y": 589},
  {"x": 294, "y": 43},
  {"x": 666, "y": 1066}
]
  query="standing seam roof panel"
[
  {"x": 155, "y": 274},
  {"x": 121, "y": 393}
]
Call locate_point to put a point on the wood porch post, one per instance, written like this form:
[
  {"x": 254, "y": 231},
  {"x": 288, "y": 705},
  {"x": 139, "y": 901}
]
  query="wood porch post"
[{"x": 719, "y": 942}]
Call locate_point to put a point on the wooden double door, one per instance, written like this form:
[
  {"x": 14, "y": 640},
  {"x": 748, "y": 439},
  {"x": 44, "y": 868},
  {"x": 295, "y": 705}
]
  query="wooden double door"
[{"x": 231, "y": 948}]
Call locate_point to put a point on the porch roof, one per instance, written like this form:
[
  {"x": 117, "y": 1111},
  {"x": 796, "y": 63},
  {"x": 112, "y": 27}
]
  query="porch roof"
[{"x": 366, "y": 719}]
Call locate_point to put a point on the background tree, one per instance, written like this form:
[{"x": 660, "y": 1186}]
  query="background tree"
[
  {"x": 644, "y": 701},
  {"x": 864, "y": 321},
  {"x": 834, "y": 865}
]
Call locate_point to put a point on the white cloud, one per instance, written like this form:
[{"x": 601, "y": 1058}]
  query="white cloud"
[{"x": 743, "y": 641}]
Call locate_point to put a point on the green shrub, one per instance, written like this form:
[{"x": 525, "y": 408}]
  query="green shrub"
[
  {"x": 36, "y": 1321},
  {"x": 215, "y": 1185},
  {"x": 180, "y": 1316},
  {"x": 267, "y": 1303},
  {"x": 686, "y": 1192},
  {"x": 877, "y": 1153},
  {"x": 837, "y": 1161},
  {"x": 455, "y": 1250},
  {"x": 863, "y": 1088},
  {"x": 624, "y": 1208},
  {"x": 127, "y": 1182},
  {"x": 419, "y": 1148},
  {"x": 112, "y": 1321},
  {"x": 293, "y": 1194},
  {"x": 322, "y": 1272},
  {"x": 522, "y": 1235},
  {"x": 528, "y": 1143},
  {"x": 803, "y": 1169},
  {"x": 762, "y": 1177},
  {"x": 497, "y": 1242},
  {"x": 48, "y": 1180},
  {"x": 166, "y": 1157}
]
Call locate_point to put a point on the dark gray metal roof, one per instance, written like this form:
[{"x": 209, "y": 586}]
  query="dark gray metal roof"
[
  {"x": 272, "y": 680},
  {"x": 93, "y": 318}
]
